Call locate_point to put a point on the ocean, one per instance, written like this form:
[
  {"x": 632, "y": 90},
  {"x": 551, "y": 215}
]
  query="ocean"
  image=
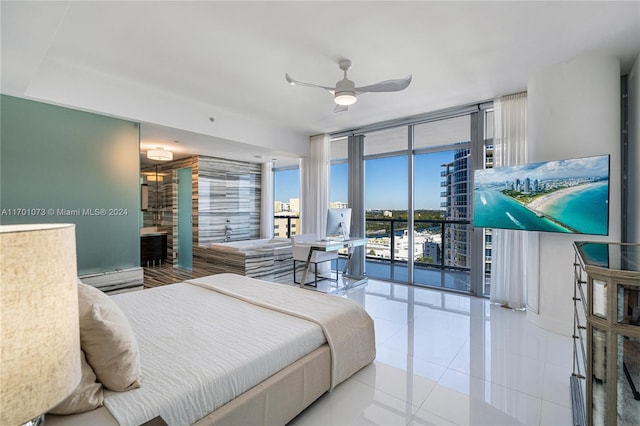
[
  {"x": 493, "y": 209},
  {"x": 586, "y": 211}
]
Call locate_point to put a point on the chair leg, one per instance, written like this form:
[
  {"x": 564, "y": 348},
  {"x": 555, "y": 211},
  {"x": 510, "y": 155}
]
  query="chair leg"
[
  {"x": 315, "y": 284},
  {"x": 316, "y": 275}
]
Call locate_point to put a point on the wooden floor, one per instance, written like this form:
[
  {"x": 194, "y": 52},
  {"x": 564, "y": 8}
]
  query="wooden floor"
[{"x": 155, "y": 276}]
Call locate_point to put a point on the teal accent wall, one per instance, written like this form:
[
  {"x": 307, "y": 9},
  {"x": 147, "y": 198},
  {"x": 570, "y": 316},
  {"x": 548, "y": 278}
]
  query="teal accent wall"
[{"x": 59, "y": 165}]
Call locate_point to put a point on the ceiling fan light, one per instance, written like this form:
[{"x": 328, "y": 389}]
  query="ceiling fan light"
[
  {"x": 345, "y": 98},
  {"x": 159, "y": 154}
]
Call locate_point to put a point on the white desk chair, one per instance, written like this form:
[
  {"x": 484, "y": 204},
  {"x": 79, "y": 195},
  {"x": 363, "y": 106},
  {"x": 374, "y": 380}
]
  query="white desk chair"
[{"x": 300, "y": 254}]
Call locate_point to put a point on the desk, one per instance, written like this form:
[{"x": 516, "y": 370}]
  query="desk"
[{"x": 330, "y": 245}]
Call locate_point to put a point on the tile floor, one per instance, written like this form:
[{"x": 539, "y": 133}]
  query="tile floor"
[{"x": 446, "y": 359}]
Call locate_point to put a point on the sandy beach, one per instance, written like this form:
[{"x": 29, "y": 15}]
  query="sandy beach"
[{"x": 541, "y": 204}]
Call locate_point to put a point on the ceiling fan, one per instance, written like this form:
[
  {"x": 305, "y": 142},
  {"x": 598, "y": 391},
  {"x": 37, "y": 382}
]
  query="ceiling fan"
[{"x": 345, "y": 93}]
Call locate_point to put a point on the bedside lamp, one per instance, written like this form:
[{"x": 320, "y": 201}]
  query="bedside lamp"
[{"x": 39, "y": 326}]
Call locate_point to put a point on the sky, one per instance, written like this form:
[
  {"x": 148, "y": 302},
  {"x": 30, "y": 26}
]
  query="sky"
[
  {"x": 385, "y": 182},
  {"x": 579, "y": 167}
]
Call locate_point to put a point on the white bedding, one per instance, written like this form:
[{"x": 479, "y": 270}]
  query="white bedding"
[
  {"x": 346, "y": 325},
  {"x": 186, "y": 376}
]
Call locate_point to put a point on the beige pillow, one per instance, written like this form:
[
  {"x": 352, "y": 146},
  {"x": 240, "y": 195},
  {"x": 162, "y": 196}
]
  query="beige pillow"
[
  {"x": 108, "y": 341},
  {"x": 87, "y": 396}
]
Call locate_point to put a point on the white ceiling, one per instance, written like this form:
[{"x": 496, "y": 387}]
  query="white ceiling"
[{"x": 210, "y": 74}]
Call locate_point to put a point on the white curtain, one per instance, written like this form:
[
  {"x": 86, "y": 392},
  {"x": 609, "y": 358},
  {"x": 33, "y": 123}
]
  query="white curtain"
[
  {"x": 314, "y": 187},
  {"x": 266, "y": 210},
  {"x": 514, "y": 254}
]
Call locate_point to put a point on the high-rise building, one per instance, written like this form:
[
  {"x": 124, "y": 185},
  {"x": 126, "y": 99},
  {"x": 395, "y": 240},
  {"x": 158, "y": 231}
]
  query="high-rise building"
[{"x": 457, "y": 181}]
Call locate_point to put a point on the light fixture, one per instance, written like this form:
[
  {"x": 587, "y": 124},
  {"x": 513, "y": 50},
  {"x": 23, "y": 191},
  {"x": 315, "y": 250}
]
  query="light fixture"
[
  {"x": 40, "y": 354},
  {"x": 345, "y": 98},
  {"x": 159, "y": 154}
]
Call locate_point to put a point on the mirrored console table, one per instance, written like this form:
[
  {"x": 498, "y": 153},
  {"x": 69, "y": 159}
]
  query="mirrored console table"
[{"x": 605, "y": 383}]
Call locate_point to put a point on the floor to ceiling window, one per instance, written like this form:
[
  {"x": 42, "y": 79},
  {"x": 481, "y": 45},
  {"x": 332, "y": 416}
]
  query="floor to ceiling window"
[
  {"x": 386, "y": 189},
  {"x": 418, "y": 176},
  {"x": 442, "y": 172},
  {"x": 386, "y": 200},
  {"x": 286, "y": 208}
]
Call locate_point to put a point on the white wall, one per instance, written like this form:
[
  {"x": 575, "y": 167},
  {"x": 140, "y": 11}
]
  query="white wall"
[
  {"x": 574, "y": 111},
  {"x": 633, "y": 212}
]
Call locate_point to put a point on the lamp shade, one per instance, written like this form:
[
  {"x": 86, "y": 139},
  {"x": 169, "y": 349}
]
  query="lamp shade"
[
  {"x": 159, "y": 154},
  {"x": 39, "y": 337}
]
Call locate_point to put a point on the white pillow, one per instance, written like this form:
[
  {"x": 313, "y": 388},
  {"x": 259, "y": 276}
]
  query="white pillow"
[
  {"x": 108, "y": 341},
  {"x": 87, "y": 396}
]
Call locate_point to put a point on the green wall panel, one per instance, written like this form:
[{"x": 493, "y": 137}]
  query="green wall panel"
[{"x": 67, "y": 166}]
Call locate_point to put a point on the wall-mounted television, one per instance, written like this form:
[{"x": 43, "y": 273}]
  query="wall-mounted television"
[{"x": 570, "y": 196}]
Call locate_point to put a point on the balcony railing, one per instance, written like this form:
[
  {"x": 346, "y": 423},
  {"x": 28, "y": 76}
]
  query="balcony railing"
[{"x": 395, "y": 228}]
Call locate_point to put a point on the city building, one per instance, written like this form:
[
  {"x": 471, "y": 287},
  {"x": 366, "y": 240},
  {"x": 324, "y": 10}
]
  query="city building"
[
  {"x": 286, "y": 218},
  {"x": 457, "y": 184},
  {"x": 457, "y": 176},
  {"x": 431, "y": 250}
]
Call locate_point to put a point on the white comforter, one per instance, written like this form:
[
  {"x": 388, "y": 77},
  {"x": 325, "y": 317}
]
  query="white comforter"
[
  {"x": 200, "y": 349},
  {"x": 346, "y": 325}
]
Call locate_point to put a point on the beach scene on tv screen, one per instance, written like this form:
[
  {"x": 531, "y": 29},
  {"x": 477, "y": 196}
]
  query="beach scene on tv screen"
[{"x": 570, "y": 196}]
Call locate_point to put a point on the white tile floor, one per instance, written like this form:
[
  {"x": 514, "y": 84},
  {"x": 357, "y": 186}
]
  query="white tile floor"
[{"x": 446, "y": 359}]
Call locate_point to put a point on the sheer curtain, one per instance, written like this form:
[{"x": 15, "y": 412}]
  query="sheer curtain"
[
  {"x": 314, "y": 186},
  {"x": 514, "y": 253}
]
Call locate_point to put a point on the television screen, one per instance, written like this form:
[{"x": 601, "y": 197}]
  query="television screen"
[{"x": 570, "y": 196}]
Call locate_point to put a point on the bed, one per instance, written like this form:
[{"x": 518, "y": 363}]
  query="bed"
[{"x": 229, "y": 349}]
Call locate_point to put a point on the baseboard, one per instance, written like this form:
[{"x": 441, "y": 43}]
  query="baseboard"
[{"x": 115, "y": 280}]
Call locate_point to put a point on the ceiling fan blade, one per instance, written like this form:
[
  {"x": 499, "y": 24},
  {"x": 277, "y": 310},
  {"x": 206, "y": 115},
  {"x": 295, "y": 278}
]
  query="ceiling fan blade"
[
  {"x": 386, "y": 86},
  {"x": 300, "y": 83},
  {"x": 340, "y": 108}
]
